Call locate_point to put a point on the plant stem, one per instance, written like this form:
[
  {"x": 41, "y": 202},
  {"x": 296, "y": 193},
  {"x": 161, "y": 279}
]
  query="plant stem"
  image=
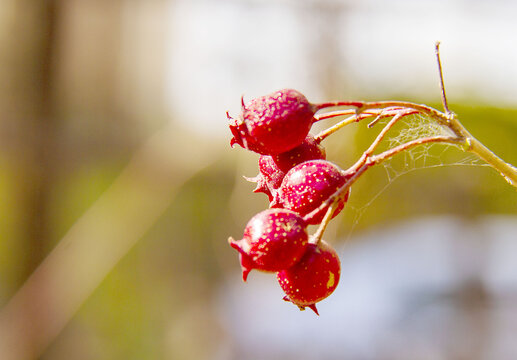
[
  {"x": 506, "y": 170},
  {"x": 376, "y": 159},
  {"x": 364, "y": 163},
  {"x": 378, "y": 113},
  {"x": 369, "y": 152},
  {"x": 449, "y": 120},
  {"x": 337, "y": 103},
  {"x": 440, "y": 72},
  {"x": 316, "y": 238},
  {"x": 400, "y": 109},
  {"x": 473, "y": 145},
  {"x": 331, "y": 114},
  {"x": 405, "y": 105},
  {"x": 351, "y": 119}
]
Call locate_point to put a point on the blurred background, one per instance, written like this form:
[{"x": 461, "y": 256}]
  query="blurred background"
[{"x": 119, "y": 190}]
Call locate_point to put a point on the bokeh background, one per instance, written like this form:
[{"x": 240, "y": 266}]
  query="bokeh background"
[{"x": 119, "y": 189}]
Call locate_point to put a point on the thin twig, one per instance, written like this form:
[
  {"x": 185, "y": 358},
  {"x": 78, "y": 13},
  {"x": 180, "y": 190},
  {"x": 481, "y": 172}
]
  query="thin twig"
[
  {"x": 379, "y": 113},
  {"x": 402, "y": 104},
  {"x": 316, "y": 238},
  {"x": 349, "y": 120},
  {"x": 337, "y": 103},
  {"x": 378, "y": 139},
  {"x": 332, "y": 114},
  {"x": 440, "y": 72},
  {"x": 376, "y": 159},
  {"x": 355, "y": 171}
]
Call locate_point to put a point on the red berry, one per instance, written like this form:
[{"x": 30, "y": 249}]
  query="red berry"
[
  {"x": 274, "y": 123},
  {"x": 272, "y": 169},
  {"x": 306, "y": 186},
  {"x": 313, "y": 278},
  {"x": 274, "y": 239},
  {"x": 309, "y": 149}
]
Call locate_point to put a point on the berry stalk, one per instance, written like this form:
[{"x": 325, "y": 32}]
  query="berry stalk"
[
  {"x": 368, "y": 153},
  {"x": 378, "y": 113},
  {"x": 473, "y": 145},
  {"x": 448, "y": 119},
  {"x": 331, "y": 114},
  {"x": 349, "y": 120},
  {"x": 318, "y": 235},
  {"x": 338, "y": 103},
  {"x": 463, "y": 137}
]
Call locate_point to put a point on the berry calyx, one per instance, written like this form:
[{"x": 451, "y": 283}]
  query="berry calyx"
[
  {"x": 313, "y": 278},
  {"x": 273, "y": 240},
  {"x": 272, "y": 169},
  {"x": 306, "y": 186},
  {"x": 274, "y": 123},
  {"x": 269, "y": 177}
]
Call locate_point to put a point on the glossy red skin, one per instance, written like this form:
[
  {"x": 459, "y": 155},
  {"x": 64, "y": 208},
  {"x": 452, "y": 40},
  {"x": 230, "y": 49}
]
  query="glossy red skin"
[
  {"x": 309, "y": 149},
  {"x": 273, "y": 240},
  {"x": 274, "y": 123},
  {"x": 313, "y": 278},
  {"x": 272, "y": 169},
  {"x": 306, "y": 186}
]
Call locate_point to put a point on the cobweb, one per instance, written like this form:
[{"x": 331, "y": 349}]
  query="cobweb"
[
  {"x": 418, "y": 158},
  {"x": 424, "y": 156}
]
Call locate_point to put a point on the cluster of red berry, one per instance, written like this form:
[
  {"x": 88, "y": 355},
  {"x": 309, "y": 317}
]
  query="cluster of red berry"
[{"x": 300, "y": 184}]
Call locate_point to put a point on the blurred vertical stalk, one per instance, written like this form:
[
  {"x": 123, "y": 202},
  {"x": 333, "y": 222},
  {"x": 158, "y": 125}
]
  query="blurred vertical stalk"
[
  {"x": 31, "y": 117},
  {"x": 29, "y": 123},
  {"x": 43, "y": 126}
]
